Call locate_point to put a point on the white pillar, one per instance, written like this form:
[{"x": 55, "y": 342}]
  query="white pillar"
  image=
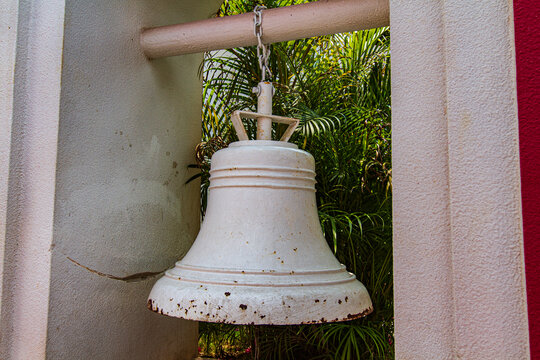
[
  {"x": 458, "y": 250},
  {"x": 8, "y": 45},
  {"x": 31, "y": 182}
]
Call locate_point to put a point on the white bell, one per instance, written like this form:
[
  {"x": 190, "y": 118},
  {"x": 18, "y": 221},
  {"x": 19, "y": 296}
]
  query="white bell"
[{"x": 260, "y": 256}]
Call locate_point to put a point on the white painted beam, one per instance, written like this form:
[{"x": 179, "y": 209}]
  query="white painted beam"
[{"x": 279, "y": 24}]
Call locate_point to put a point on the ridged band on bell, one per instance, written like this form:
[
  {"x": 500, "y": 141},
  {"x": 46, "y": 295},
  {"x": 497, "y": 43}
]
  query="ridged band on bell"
[{"x": 260, "y": 256}]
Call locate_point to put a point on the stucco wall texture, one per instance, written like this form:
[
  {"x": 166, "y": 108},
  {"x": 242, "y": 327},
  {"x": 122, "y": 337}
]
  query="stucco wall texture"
[
  {"x": 99, "y": 151},
  {"x": 458, "y": 250}
]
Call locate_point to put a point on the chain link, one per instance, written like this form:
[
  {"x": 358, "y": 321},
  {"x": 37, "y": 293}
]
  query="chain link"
[{"x": 263, "y": 51}]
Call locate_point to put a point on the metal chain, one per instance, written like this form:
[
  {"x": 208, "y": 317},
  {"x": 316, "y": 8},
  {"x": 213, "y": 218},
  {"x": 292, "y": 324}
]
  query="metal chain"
[{"x": 263, "y": 51}]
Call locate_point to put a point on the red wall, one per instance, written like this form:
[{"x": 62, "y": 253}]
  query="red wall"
[{"x": 527, "y": 28}]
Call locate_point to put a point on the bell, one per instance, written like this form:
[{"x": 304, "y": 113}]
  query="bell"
[{"x": 260, "y": 256}]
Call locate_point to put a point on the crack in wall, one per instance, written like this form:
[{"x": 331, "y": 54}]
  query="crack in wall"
[{"x": 129, "y": 278}]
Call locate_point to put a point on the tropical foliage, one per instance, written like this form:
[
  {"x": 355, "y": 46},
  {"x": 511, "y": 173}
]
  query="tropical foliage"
[{"x": 339, "y": 87}]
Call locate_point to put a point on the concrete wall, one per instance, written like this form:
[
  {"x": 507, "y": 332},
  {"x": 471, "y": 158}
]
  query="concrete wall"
[
  {"x": 458, "y": 249},
  {"x": 96, "y": 198}
]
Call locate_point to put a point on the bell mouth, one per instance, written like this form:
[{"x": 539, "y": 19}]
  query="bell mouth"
[
  {"x": 275, "y": 143},
  {"x": 255, "y": 305}
]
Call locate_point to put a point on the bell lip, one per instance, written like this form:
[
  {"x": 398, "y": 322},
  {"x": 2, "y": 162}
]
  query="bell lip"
[
  {"x": 251, "y": 306},
  {"x": 350, "y": 317},
  {"x": 274, "y": 143}
]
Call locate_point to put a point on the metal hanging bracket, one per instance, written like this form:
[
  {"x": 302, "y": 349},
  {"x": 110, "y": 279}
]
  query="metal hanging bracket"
[
  {"x": 263, "y": 50},
  {"x": 237, "y": 116},
  {"x": 265, "y": 89},
  {"x": 265, "y": 92}
]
